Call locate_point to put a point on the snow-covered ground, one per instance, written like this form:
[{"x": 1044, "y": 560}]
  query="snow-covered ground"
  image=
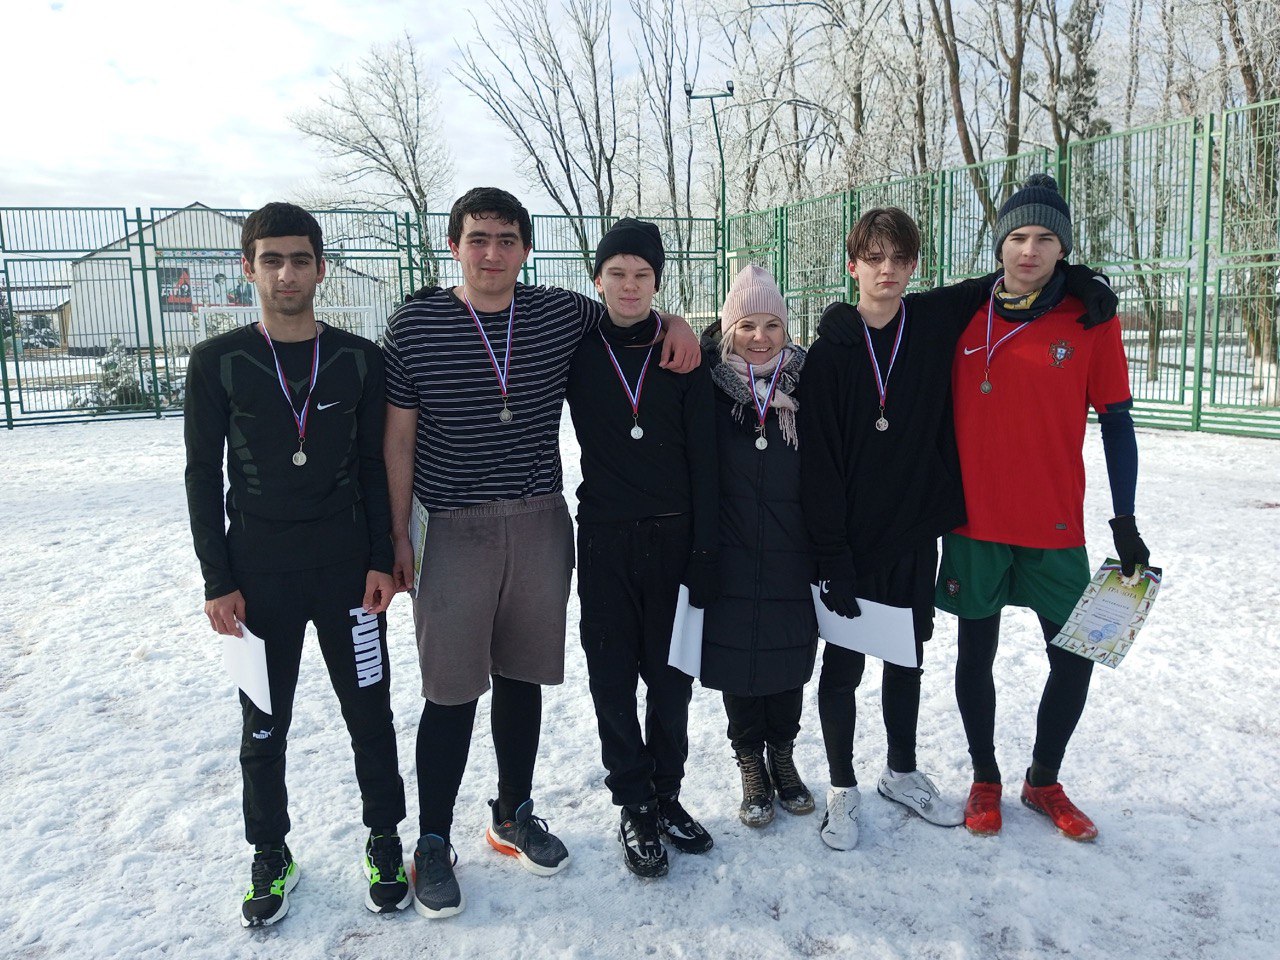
[{"x": 120, "y": 788}]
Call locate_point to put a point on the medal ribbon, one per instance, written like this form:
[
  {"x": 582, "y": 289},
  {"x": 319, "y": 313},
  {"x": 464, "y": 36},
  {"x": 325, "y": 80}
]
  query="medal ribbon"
[
  {"x": 762, "y": 408},
  {"x": 301, "y": 420},
  {"x": 502, "y": 374},
  {"x": 633, "y": 396},
  {"x": 991, "y": 311},
  {"x": 882, "y": 383}
]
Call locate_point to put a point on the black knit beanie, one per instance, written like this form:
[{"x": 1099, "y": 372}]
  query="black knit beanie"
[
  {"x": 638, "y": 237},
  {"x": 1039, "y": 204}
]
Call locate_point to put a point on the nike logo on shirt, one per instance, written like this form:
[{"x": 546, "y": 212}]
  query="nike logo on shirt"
[
  {"x": 326, "y": 406},
  {"x": 967, "y": 351}
]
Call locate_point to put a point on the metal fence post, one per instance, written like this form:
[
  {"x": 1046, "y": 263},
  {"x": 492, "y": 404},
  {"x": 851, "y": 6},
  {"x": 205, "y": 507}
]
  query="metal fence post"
[
  {"x": 146, "y": 302},
  {"x": 1202, "y": 257}
]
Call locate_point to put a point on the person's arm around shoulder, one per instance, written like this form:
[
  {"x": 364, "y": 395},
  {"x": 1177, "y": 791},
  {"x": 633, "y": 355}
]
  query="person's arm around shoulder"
[
  {"x": 681, "y": 350},
  {"x": 206, "y": 410}
]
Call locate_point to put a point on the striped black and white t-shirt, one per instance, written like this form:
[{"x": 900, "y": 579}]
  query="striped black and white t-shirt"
[{"x": 436, "y": 362}]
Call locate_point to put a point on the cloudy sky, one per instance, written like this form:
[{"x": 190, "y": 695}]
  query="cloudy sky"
[{"x": 143, "y": 102}]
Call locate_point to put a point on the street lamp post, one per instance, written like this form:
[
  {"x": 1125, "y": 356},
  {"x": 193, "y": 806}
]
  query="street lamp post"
[{"x": 722, "y": 246}]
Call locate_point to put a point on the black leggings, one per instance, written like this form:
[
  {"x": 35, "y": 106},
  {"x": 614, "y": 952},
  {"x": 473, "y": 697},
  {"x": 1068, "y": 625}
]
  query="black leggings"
[
  {"x": 444, "y": 739},
  {"x": 838, "y": 711},
  {"x": 1061, "y": 704}
]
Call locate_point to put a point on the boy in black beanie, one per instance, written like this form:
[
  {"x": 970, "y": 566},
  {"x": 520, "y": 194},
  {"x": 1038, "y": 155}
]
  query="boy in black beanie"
[
  {"x": 647, "y": 511},
  {"x": 1025, "y": 373}
]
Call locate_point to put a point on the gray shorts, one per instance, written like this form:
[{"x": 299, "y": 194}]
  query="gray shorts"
[{"x": 495, "y": 585}]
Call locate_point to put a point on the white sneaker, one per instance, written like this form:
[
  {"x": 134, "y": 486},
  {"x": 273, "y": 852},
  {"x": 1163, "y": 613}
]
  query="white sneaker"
[
  {"x": 840, "y": 822},
  {"x": 917, "y": 792}
]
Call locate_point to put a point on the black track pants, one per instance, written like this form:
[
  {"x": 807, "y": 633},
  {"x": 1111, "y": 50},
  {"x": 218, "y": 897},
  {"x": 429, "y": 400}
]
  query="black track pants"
[
  {"x": 772, "y": 719},
  {"x": 278, "y": 607},
  {"x": 838, "y": 711},
  {"x": 1061, "y": 703},
  {"x": 444, "y": 740},
  {"x": 628, "y": 578}
]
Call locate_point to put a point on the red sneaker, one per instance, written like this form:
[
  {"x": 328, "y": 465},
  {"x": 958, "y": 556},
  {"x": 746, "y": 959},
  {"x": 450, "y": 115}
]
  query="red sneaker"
[
  {"x": 1066, "y": 816},
  {"x": 982, "y": 812}
]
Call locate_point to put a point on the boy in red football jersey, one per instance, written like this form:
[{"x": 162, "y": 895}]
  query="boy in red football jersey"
[{"x": 1024, "y": 375}]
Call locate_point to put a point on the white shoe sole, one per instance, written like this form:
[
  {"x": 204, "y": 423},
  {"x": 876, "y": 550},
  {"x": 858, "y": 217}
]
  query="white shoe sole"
[
  {"x": 423, "y": 910},
  {"x": 511, "y": 850}
]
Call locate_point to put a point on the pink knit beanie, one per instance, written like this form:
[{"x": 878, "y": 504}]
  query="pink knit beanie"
[{"x": 753, "y": 291}]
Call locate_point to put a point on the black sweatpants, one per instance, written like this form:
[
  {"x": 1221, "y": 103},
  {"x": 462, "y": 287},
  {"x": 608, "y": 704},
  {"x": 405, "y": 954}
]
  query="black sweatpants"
[
  {"x": 628, "y": 579},
  {"x": 444, "y": 740},
  {"x": 278, "y": 607},
  {"x": 907, "y": 582},
  {"x": 773, "y": 719},
  {"x": 1061, "y": 703}
]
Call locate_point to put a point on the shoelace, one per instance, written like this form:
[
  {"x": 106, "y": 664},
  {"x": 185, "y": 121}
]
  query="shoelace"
[
  {"x": 645, "y": 828},
  {"x": 266, "y": 869},
  {"x": 784, "y": 768},
  {"x": 753, "y": 774},
  {"x": 383, "y": 850}
]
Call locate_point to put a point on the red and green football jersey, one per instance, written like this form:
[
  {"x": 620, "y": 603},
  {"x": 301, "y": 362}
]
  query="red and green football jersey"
[{"x": 1020, "y": 444}]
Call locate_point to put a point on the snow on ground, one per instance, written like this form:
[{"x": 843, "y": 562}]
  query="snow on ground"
[{"x": 121, "y": 789}]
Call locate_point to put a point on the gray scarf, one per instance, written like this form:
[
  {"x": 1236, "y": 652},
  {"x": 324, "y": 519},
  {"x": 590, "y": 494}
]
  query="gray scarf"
[{"x": 731, "y": 376}]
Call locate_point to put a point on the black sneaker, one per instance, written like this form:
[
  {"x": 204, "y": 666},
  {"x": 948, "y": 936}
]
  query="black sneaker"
[
  {"x": 641, "y": 845},
  {"x": 685, "y": 833},
  {"x": 384, "y": 869},
  {"x": 793, "y": 795},
  {"x": 526, "y": 838},
  {"x": 435, "y": 889},
  {"x": 274, "y": 874}
]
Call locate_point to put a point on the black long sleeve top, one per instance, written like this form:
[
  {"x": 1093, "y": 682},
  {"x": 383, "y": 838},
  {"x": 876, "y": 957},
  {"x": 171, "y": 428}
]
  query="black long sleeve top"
[
  {"x": 673, "y": 467},
  {"x": 279, "y": 516},
  {"x": 871, "y": 496}
]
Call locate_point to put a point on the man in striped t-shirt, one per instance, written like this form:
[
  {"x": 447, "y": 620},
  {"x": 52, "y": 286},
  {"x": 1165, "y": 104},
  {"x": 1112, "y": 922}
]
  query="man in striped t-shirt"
[{"x": 476, "y": 380}]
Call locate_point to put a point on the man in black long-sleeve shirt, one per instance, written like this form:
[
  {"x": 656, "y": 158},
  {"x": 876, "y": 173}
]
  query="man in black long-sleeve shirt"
[
  {"x": 647, "y": 512},
  {"x": 300, "y": 406}
]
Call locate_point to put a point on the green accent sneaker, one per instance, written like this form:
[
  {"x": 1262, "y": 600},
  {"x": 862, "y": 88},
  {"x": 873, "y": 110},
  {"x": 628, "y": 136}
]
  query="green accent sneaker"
[
  {"x": 384, "y": 868},
  {"x": 275, "y": 873}
]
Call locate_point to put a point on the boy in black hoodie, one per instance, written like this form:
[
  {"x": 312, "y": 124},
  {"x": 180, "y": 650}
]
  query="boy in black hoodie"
[{"x": 647, "y": 511}]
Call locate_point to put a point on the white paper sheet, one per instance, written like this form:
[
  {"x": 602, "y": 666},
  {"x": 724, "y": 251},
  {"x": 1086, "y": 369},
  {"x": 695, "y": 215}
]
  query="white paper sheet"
[
  {"x": 882, "y": 631},
  {"x": 246, "y": 660},
  {"x": 417, "y": 542},
  {"x": 686, "y": 636}
]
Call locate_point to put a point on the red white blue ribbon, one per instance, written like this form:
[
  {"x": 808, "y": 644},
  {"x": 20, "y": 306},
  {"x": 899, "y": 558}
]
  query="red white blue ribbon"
[
  {"x": 633, "y": 395},
  {"x": 300, "y": 419},
  {"x": 762, "y": 407},
  {"x": 991, "y": 310},
  {"x": 882, "y": 382},
  {"x": 502, "y": 374}
]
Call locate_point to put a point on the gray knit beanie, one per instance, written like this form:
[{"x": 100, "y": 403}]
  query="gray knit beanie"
[
  {"x": 753, "y": 291},
  {"x": 1039, "y": 204}
]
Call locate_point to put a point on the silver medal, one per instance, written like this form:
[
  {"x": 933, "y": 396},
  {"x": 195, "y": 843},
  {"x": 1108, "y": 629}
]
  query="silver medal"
[
  {"x": 299, "y": 458},
  {"x": 882, "y": 424},
  {"x": 506, "y": 415},
  {"x": 761, "y": 443},
  {"x": 985, "y": 386},
  {"x": 637, "y": 432}
]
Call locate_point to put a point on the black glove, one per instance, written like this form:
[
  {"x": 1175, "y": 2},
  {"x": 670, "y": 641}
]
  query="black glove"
[
  {"x": 702, "y": 577},
  {"x": 839, "y": 597},
  {"x": 1130, "y": 550},
  {"x": 1094, "y": 291}
]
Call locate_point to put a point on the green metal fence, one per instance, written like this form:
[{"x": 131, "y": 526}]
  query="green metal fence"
[
  {"x": 1183, "y": 216},
  {"x": 100, "y": 307}
]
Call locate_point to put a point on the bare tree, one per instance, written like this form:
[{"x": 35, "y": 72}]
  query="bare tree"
[
  {"x": 380, "y": 126},
  {"x": 552, "y": 87}
]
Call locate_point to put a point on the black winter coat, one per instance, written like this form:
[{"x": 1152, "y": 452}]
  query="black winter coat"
[{"x": 761, "y": 636}]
